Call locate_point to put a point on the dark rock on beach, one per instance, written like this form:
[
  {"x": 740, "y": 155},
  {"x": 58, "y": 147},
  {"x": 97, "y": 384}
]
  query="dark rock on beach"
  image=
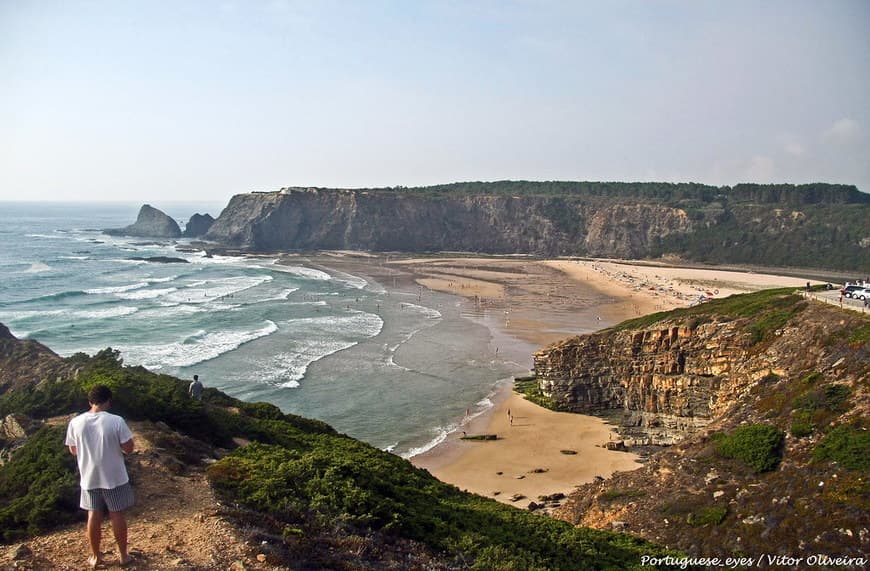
[{"x": 151, "y": 223}]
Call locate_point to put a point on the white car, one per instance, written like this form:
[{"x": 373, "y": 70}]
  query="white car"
[{"x": 861, "y": 294}]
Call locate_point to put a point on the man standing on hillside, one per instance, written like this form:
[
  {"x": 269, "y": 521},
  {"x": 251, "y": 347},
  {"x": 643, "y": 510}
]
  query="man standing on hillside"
[
  {"x": 195, "y": 388},
  {"x": 99, "y": 441}
]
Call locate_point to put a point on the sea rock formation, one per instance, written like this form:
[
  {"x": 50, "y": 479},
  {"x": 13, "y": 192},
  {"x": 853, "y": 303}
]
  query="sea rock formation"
[
  {"x": 151, "y": 223},
  {"x": 744, "y": 224},
  {"x": 198, "y": 225}
]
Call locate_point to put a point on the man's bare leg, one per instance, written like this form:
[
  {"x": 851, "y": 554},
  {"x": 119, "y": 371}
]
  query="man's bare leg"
[
  {"x": 95, "y": 536},
  {"x": 119, "y": 528}
]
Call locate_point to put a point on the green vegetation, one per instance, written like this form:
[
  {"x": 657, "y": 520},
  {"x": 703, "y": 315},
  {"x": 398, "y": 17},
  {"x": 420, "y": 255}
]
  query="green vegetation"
[
  {"x": 848, "y": 445},
  {"x": 707, "y": 516},
  {"x": 531, "y": 389},
  {"x": 802, "y": 425},
  {"x": 759, "y": 446},
  {"x": 301, "y": 477},
  {"x": 39, "y": 486},
  {"x": 695, "y": 512},
  {"x": 768, "y": 309},
  {"x": 617, "y": 494}
]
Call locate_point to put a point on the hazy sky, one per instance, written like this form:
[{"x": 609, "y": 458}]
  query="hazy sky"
[{"x": 182, "y": 100}]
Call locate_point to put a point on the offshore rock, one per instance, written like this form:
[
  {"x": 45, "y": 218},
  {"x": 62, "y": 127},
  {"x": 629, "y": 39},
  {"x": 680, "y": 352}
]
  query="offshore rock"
[
  {"x": 198, "y": 225},
  {"x": 151, "y": 223}
]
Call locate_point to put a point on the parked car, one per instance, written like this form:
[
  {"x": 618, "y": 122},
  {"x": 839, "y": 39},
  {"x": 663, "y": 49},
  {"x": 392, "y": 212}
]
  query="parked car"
[
  {"x": 849, "y": 290},
  {"x": 861, "y": 294}
]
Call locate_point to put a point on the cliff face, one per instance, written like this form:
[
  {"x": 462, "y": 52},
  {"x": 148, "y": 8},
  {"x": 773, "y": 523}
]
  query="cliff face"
[
  {"x": 380, "y": 221},
  {"x": 666, "y": 381},
  {"x": 810, "y": 226},
  {"x": 697, "y": 377},
  {"x": 151, "y": 223}
]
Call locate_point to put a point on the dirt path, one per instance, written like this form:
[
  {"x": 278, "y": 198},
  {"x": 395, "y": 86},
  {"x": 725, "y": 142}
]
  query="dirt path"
[{"x": 175, "y": 523}]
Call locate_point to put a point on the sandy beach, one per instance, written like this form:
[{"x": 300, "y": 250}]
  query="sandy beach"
[{"x": 536, "y": 303}]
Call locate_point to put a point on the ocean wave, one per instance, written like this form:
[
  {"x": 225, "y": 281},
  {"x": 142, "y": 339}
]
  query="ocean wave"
[
  {"x": 45, "y": 236},
  {"x": 287, "y": 369},
  {"x": 302, "y": 272},
  {"x": 36, "y": 267},
  {"x": 353, "y": 281},
  {"x": 56, "y": 296},
  {"x": 106, "y": 313},
  {"x": 161, "y": 280},
  {"x": 74, "y": 257},
  {"x": 7, "y": 316},
  {"x": 146, "y": 294},
  {"x": 441, "y": 434},
  {"x": 117, "y": 289},
  {"x": 196, "y": 348},
  {"x": 355, "y": 324},
  {"x": 283, "y": 295},
  {"x": 208, "y": 290},
  {"x": 429, "y": 312}
]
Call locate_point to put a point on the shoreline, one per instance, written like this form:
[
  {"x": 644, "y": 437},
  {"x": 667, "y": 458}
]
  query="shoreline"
[
  {"x": 527, "y": 304},
  {"x": 536, "y": 313}
]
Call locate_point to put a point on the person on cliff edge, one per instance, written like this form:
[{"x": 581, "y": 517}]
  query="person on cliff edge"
[
  {"x": 99, "y": 440},
  {"x": 195, "y": 388}
]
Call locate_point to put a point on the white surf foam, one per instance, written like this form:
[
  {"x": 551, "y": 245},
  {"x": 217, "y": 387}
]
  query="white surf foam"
[
  {"x": 302, "y": 272},
  {"x": 146, "y": 294},
  {"x": 107, "y": 313},
  {"x": 208, "y": 290},
  {"x": 27, "y": 314},
  {"x": 441, "y": 434},
  {"x": 428, "y": 312},
  {"x": 37, "y": 267},
  {"x": 197, "y": 348},
  {"x": 116, "y": 289}
]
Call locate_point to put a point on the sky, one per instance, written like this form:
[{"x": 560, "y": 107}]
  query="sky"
[{"x": 192, "y": 100}]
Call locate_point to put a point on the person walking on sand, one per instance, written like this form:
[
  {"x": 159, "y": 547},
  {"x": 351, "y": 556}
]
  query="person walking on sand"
[
  {"x": 99, "y": 440},
  {"x": 195, "y": 388}
]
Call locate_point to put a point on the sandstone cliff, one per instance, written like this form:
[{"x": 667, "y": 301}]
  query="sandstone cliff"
[
  {"x": 795, "y": 226},
  {"x": 694, "y": 377},
  {"x": 150, "y": 223}
]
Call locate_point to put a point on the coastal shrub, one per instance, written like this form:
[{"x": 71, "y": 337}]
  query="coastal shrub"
[
  {"x": 533, "y": 393},
  {"x": 759, "y": 446},
  {"x": 832, "y": 398},
  {"x": 339, "y": 479},
  {"x": 617, "y": 494},
  {"x": 802, "y": 425},
  {"x": 38, "y": 486},
  {"x": 848, "y": 445},
  {"x": 707, "y": 516}
]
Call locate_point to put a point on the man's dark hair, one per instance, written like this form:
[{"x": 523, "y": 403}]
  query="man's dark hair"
[
  {"x": 196, "y": 377},
  {"x": 99, "y": 394}
]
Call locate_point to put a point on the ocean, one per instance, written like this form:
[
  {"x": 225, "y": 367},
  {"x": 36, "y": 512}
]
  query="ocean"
[{"x": 397, "y": 367}]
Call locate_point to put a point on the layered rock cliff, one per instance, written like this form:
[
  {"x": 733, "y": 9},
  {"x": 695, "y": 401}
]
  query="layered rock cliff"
[
  {"x": 664, "y": 381},
  {"x": 554, "y": 219},
  {"x": 766, "y": 363},
  {"x": 150, "y": 223}
]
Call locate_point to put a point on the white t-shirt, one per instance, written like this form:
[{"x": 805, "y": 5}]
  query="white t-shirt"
[{"x": 97, "y": 437}]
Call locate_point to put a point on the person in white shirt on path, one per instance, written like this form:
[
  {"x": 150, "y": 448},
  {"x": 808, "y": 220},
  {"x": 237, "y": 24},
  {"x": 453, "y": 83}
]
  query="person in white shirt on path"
[{"x": 99, "y": 441}]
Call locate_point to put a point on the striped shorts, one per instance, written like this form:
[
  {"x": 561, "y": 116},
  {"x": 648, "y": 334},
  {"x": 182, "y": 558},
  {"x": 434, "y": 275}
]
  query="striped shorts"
[{"x": 115, "y": 500}]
